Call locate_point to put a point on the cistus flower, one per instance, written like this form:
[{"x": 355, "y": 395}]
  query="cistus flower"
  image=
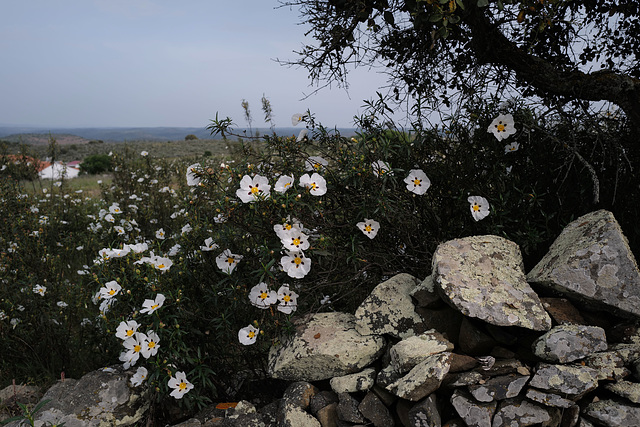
[
  {"x": 151, "y": 346},
  {"x": 315, "y": 164},
  {"x": 180, "y": 385},
  {"x": 511, "y": 147},
  {"x": 369, "y": 227},
  {"x": 39, "y": 289},
  {"x": 315, "y": 183},
  {"x": 284, "y": 183},
  {"x": 288, "y": 300},
  {"x": 151, "y": 305},
  {"x": 417, "y": 182},
  {"x": 227, "y": 261},
  {"x": 479, "y": 207},
  {"x": 144, "y": 153},
  {"x": 160, "y": 234},
  {"x": 209, "y": 245},
  {"x": 261, "y": 297},
  {"x": 253, "y": 188},
  {"x": 294, "y": 240},
  {"x": 281, "y": 229},
  {"x": 248, "y": 335},
  {"x": 192, "y": 174},
  {"x": 380, "y": 168},
  {"x": 295, "y": 264},
  {"x": 303, "y": 133},
  {"x": 297, "y": 118},
  {"x": 502, "y": 126},
  {"x": 126, "y": 329},
  {"x": 110, "y": 289},
  {"x": 139, "y": 377},
  {"x": 133, "y": 346}
]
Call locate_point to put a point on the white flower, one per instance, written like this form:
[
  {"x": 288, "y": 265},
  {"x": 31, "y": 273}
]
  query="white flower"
[
  {"x": 502, "y": 126},
  {"x": 281, "y": 229},
  {"x": 209, "y": 245},
  {"x": 139, "y": 377},
  {"x": 186, "y": 229},
  {"x": 119, "y": 230},
  {"x": 303, "y": 133},
  {"x": 297, "y": 118},
  {"x": 160, "y": 234},
  {"x": 115, "y": 209},
  {"x": 62, "y": 304},
  {"x": 126, "y": 329},
  {"x": 150, "y": 346},
  {"x": 294, "y": 239},
  {"x": 284, "y": 183},
  {"x": 380, "y": 168},
  {"x": 248, "y": 335},
  {"x": 315, "y": 164},
  {"x": 150, "y": 305},
  {"x": 261, "y": 297},
  {"x": 109, "y": 218},
  {"x": 325, "y": 300},
  {"x": 133, "y": 346},
  {"x": 180, "y": 385},
  {"x": 417, "y": 182},
  {"x": 110, "y": 289},
  {"x": 175, "y": 249},
  {"x": 369, "y": 227},
  {"x": 39, "y": 289},
  {"x": 479, "y": 207},
  {"x": 161, "y": 263},
  {"x": 315, "y": 183},
  {"x": 144, "y": 153},
  {"x": 511, "y": 147},
  {"x": 250, "y": 189},
  {"x": 288, "y": 300},
  {"x": 192, "y": 177},
  {"x": 227, "y": 261},
  {"x": 295, "y": 264}
]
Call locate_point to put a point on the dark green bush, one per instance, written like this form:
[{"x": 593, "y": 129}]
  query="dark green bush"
[{"x": 96, "y": 163}]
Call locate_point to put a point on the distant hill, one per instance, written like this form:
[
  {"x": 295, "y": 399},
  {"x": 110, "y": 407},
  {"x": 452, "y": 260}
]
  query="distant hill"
[{"x": 36, "y": 136}]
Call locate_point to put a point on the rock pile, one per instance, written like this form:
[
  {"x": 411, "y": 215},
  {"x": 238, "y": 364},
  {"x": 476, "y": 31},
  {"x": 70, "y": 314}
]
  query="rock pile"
[{"x": 477, "y": 343}]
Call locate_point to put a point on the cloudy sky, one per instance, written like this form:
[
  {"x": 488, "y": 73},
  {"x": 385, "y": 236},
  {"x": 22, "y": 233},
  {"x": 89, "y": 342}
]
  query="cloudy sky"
[{"x": 129, "y": 63}]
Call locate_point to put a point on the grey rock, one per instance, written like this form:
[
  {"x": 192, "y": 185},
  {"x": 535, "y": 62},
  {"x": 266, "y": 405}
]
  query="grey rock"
[
  {"x": 423, "y": 379},
  {"x": 566, "y": 343},
  {"x": 473, "y": 413},
  {"x": 462, "y": 379},
  {"x": 613, "y": 413},
  {"x": 498, "y": 388},
  {"x": 425, "y": 413},
  {"x": 328, "y": 415},
  {"x": 412, "y": 350},
  {"x": 387, "y": 375},
  {"x": 626, "y": 389},
  {"x": 609, "y": 364},
  {"x": 360, "y": 381},
  {"x": 590, "y": 261},
  {"x": 101, "y": 397},
  {"x": 348, "y": 409},
  {"x": 548, "y": 399},
  {"x": 291, "y": 415},
  {"x": 571, "y": 380},
  {"x": 519, "y": 412},
  {"x": 425, "y": 294},
  {"x": 322, "y": 399},
  {"x": 375, "y": 411},
  {"x": 299, "y": 394},
  {"x": 324, "y": 345},
  {"x": 483, "y": 277},
  {"x": 389, "y": 309}
]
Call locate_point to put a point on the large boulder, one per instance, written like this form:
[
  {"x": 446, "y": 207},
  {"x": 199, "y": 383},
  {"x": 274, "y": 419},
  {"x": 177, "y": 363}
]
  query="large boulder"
[
  {"x": 591, "y": 262},
  {"x": 483, "y": 277},
  {"x": 325, "y": 345}
]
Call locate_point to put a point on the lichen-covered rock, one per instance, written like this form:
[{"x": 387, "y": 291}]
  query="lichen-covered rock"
[
  {"x": 425, "y": 413},
  {"x": 389, "y": 309},
  {"x": 360, "y": 381},
  {"x": 425, "y": 294},
  {"x": 609, "y": 364},
  {"x": 626, "y": 389},
  {"x": 548, "y": 399},
  {"x": 473, "y": 413},
  {"x": 498, "y": 388},
  {"x": 324, "y": 345},
  {"x": 348, "y": 409},
  {"x": 591, "y": 261},
  {"x": 423, "y": 379},
  {"x": 99, "y": 398},
  {"x": 291, "y": 415},
  {"x": 571, "y": 380},
  {"x": 375, "y": 411},
  {"x": 520, "y": 412},
  {"x": 412, "y": 350},
  {"x": 566, "y": 343},
  {"x": 483, "y": 277},
  {"x": 613, "y": 413}
]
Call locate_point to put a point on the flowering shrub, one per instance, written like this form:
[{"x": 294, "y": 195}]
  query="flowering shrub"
[{"x": 187, "y": 272}]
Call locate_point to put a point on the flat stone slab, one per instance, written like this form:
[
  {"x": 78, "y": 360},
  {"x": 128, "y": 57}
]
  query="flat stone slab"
[
  {"x": 613, "y": 413},
  {"x": 423, "y": 379},
  {"x": 591, "y": 261},
  {"x": 566, "y": 343},
  {"x": 325, "y": 345},
  {"x": 567, "y": 379},
  {"x": 483, "y": 277}
]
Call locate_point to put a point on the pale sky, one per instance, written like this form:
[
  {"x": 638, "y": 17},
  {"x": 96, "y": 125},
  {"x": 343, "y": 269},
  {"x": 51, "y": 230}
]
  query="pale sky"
[{"x": 148, "y": 63}]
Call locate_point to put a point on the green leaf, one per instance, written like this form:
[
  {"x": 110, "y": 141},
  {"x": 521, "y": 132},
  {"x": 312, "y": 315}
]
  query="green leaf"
[
  {"x": 483, "y": 3},
  {"x": 435, "y": 17},
  {"x": 388, "y": 17},
  {"x": 460, "y": 4}
]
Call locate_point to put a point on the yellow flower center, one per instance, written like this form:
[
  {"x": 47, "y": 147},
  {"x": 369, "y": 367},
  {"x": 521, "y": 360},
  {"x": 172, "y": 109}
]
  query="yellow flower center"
[
  {"x": 151, "y": 344},
  {"x": 317, "y": 166},
  {"x": 130, "y": 332},
  {"x": 154, "y": 306},
  {"x": 230, "y": 260},
  {"x": 313, "y": 186},
  {"x": 286, "y": 298},
  {"x": 182, "y": 386},
  {"x": 297, "y": 260},
  {"x": 112, "y": 291},
  {"x": 251, "y": 334},
  {"x": 296, "y": 241},
  {"x": 476, "y": 207},
  {"x": 160, "y": 266},
  {"x": 500, "y": 126},
  {"x": 417, "y": 181},
  {"x": 137, "y": 348},
  {"x": 367, "y": 228},
  {"x": 287, "y": 184},
  {"x": 264, "y": 295},
  {"x": 254, "y": 190},
  {"x": 288, "y": 226}
]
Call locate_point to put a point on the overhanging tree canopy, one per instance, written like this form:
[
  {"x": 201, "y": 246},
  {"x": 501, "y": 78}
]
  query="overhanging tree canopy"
[{"x": 556, "y": 49}]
